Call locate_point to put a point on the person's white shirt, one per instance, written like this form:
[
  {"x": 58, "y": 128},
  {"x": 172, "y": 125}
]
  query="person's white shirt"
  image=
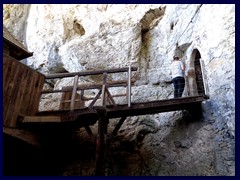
[{"x": 177, "y": 69}]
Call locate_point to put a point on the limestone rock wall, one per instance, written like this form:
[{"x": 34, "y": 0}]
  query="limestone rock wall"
[{"x": 69, "y": 38}]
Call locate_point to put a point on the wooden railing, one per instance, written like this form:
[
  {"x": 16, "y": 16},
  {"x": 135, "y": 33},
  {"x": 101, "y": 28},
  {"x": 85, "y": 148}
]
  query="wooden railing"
[{"x": 72, "y": 100}]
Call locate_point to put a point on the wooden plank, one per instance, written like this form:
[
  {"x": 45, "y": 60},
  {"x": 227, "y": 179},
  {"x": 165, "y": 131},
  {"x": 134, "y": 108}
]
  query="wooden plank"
[
  {"x": 154, "y": 107},
  {"x": 41, "y": 80},
  {"x": 7, "y": 79},
  {"x": 87, "y": 73},
  {"x": 9, "y": 92},
  {"x": 5, "y": 68},
  {"x": 31, "y": 94},
  {"x": 32, "y": 119},
  {"x": 27, "y": 93},
  {"x": 27, "y": 74},
  {"x": 24, "y": 135},
  {"x": 34, "y": 93},
  {"x": 89, "y": 86},
  {"x": 15, "y": 106},
  {"x": 20, "y": 98},
  {"x": 74, "y": 91},
  {"x": 7, "y": 72},
  {"x": 37, "y": 96}
]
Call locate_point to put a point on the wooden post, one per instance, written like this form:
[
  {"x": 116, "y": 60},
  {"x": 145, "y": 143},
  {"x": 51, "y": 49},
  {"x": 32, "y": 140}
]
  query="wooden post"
[
  {"x": 129, "y": 87},
  {"x": 203, "y": 76},
  {"x": 101, "y": 142},
  {"x": 74, "y": 91},
  {"x": 81, "y": 99},
  {"x": 104, "y": 89}
]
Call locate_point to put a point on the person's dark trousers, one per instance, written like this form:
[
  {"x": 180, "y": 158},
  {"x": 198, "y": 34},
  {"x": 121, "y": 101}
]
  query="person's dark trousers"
[{"x": 179, "y": 84}]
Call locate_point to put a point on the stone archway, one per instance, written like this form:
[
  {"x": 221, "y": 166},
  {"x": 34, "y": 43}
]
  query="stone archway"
[{"x": 195, "y": 77}]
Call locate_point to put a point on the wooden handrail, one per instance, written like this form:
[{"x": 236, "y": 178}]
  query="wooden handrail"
[
  {"x": 103, "y": 87},
  {"x": 89, "y": 86},
  {"x": 129, "y": 86},
  {"x": 87, "y": 73}
]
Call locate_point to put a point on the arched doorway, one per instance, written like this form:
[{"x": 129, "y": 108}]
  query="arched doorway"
[
  {"x": 198, "y": 74},
  {"x": 195, "y": 76}
]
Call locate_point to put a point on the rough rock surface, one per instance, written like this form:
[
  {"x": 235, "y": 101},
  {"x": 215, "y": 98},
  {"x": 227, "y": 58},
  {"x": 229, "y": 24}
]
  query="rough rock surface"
[{"x": 68, "y": 38}]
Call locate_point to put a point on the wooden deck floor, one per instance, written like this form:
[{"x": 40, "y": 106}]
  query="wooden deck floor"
[{"x": 88, "y": 116}]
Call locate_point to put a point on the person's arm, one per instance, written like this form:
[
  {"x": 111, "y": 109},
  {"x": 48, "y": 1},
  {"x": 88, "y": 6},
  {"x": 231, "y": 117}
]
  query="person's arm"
[{"x": 183, "y": 67}]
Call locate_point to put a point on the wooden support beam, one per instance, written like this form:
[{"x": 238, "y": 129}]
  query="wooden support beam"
[
  {"x": 24, "y": 135},
  {"x": 95, "y": 99},
  {"x": 118, "y": 126},
  {"x": 74, "y": 91},
  {"x": 110, "y": 97},
  {"x": 87, "y": 73},
  {"x": 101, "y": 142},
  {"x": 31, "y": 119},
  {"x": 89, "y": 131}
]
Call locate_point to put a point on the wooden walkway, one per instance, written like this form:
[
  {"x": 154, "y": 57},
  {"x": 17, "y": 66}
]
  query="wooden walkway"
[
  {"x": 112, "y": 111},
  {"x": 22, "y": 89},
  {"x": 88, "y": 116},
  {"x": 75, "y": 109}
]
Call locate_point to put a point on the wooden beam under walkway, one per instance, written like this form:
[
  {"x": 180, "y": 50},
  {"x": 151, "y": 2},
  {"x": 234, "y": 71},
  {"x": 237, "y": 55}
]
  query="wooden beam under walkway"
[
  {"x": 140, "y": 108},
  {"x": 85, "y": 117}
]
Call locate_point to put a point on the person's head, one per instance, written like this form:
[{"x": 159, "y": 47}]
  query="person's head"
[{"x": 175, "y": 57}]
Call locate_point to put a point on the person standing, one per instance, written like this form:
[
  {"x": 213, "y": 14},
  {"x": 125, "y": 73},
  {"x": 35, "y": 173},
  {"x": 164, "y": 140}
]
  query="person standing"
[{"x": 177, "y": 72}]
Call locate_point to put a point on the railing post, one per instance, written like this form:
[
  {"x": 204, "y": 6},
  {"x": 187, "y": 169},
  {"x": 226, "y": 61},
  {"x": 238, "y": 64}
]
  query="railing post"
[
  {"x": 203, "y": 76},
  {"x": 104, "y": 89},
  {"x": 129, "y": 87},
  {"x": 74, "y": 91}
]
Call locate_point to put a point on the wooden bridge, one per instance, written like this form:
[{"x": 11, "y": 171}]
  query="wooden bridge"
[{"x": 23, "y": 88}]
